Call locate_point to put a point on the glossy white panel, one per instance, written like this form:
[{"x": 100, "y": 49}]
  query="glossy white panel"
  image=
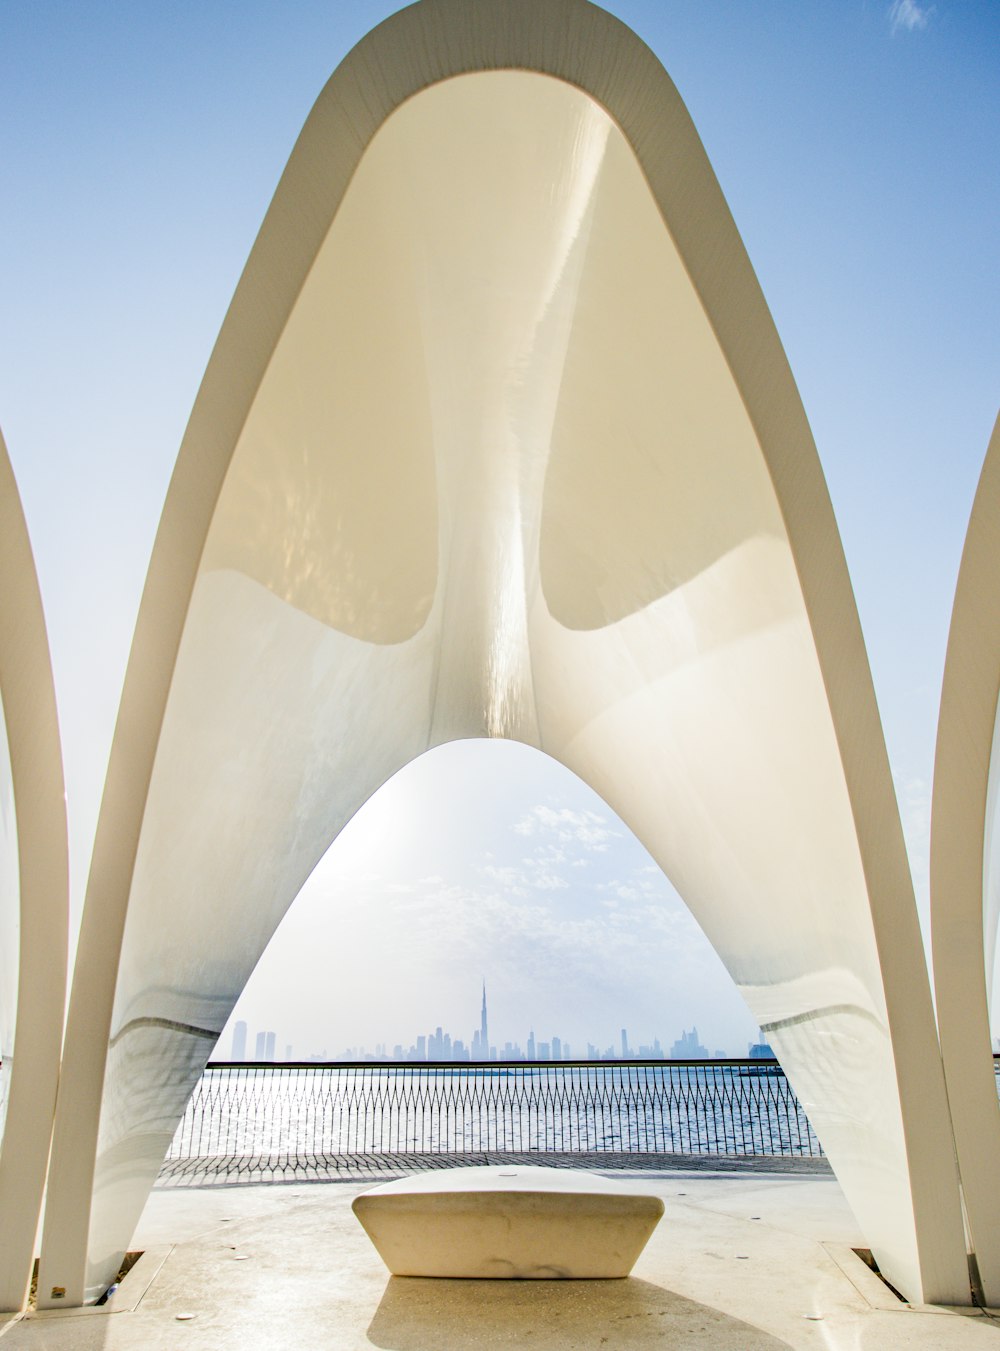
[{"x": 497, "y": 477}]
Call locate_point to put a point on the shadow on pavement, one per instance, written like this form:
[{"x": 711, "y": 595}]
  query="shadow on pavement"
[{"x": 441, "y": 1315}]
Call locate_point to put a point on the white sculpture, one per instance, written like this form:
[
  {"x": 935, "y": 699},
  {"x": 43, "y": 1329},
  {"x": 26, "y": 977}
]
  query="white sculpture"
[
  {"x": 965, "y": 868},
  {"x": 498, "y": 439},
  {"x": 33, "y": 898}
]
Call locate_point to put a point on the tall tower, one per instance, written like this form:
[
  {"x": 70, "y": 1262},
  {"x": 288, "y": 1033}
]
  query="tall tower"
[
  {"x": 240, "y": 1041},
  {"x": 484, "y": 1035}
]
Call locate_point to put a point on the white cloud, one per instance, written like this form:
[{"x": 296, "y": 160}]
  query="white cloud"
[
  {"x": 391, "y": 963},
  {"x": 909, "y": 15},
  {"x": 510, "y": 878},
  {"x": 623, "y": 891},
  {"x": 567, "y": 826},
  {"x": 557, "y": 905},
  {"x": 549, "y": 882},
  {"x": 536, "y": 873},
  {"x": 547, "y": 854}
]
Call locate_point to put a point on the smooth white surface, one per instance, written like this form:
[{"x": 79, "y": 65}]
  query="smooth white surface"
[
  {"x": 498, "y": 440},
  {"x": 517, "y": 1177},
  {"x": 33, "y": 898},
  {"x": 965, "y": 867},
  {"x": 509, "y": 1223}
]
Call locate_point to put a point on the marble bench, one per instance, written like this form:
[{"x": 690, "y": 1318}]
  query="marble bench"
[{"x": 509, "y": 1223}]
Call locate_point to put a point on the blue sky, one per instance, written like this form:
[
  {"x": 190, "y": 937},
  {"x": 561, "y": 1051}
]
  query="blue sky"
[{"x": 856, "y": 143}]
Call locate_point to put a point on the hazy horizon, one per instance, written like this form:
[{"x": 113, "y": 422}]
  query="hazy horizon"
[{"x": 545, "y": 880}]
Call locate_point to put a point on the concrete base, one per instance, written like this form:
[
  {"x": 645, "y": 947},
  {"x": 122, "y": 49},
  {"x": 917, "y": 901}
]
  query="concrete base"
[
  {"x": 509, "y": 1223},
  {"x": 740, "y": 1263}
]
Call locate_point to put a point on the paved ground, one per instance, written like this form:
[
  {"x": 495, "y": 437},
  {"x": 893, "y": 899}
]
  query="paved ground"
[
  {"x": 740, "y": 1262},
  {"x": 211, "y": 1170}
]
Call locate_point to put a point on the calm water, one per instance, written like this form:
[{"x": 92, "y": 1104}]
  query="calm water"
[{"x": 719, "y": 1107}]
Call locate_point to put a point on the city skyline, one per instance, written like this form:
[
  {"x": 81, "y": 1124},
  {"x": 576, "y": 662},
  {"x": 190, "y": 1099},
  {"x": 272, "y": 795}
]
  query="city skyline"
[
  {"x": 440, "y": 1047},
  {"x": 550, "y": 897}
]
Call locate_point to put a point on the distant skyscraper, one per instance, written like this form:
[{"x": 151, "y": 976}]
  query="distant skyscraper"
[
  {"x": 531, "y": 1044},
  {"x": 625, "y": 1050},
  {"x": 556, "y": 1049},
  {"x": 484, "y": 1034},
  {"x": 269, "y": 1046},
  {"x": 240, "y": 1041},
  {"x": 259, "y": 1048},
  {"x": 760, "y": 1049},
  {"x": 688, "y": 1047}
]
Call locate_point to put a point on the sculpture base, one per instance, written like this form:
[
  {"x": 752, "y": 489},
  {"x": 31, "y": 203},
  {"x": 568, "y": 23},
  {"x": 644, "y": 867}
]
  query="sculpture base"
[{"x": 508, "y": 1223}]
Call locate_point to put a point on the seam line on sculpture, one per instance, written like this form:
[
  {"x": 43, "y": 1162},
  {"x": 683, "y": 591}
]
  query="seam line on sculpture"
[
  {"x": 169, "y": 1024},
  {"x": 828, "y": 1011}
]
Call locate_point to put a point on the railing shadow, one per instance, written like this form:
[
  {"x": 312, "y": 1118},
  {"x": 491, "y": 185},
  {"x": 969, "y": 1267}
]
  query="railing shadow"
[{"x": 442, "y": 1315}]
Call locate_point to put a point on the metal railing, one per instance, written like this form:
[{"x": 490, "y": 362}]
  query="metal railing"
[{"x": 302, "y": 1112}]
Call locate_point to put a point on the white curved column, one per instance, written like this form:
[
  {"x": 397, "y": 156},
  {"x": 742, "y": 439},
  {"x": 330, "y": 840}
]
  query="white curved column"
[
  {"x": 965, "y": 867},
  {"x": 33, "y": 898},
  {"x": 498, "y": 440}
]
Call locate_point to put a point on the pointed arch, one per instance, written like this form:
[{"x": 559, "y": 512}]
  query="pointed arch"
[{"x": 498, "y": 439}]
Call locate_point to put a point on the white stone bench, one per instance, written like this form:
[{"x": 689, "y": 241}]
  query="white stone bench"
[{"x": 509, "y": 1223}]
